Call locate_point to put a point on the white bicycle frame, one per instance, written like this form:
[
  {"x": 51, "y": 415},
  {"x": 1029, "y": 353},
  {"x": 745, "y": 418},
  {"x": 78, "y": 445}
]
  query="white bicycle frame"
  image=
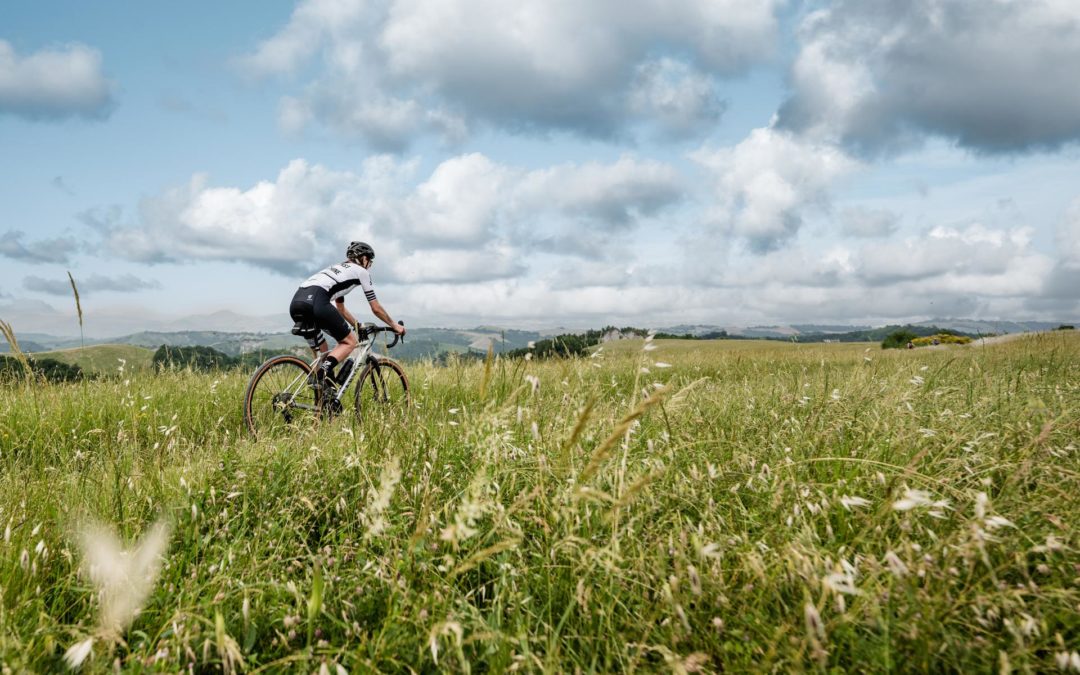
[{"x": 360, "y": 356}]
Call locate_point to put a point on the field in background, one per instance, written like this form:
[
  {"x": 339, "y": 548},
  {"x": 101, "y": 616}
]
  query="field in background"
[
  {"x": 103, "y": 358},
  {"x": 675, "y": 506}
]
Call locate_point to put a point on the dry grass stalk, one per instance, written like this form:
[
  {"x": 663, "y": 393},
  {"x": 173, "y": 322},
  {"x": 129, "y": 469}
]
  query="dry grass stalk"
[
  {"x": 78, "y": 308},
  {"x": 9, "y": 335},
  {"x": 603, "y": 451}
]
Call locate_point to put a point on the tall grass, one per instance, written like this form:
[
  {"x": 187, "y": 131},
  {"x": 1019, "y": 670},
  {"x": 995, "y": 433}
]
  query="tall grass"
[{"x": 721, "y": 506}]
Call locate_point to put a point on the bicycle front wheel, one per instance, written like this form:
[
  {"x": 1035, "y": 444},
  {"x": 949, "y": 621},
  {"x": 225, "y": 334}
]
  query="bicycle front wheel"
[
  {"x": 280, "y": 396},
  {"x": 382, "y": 390}
]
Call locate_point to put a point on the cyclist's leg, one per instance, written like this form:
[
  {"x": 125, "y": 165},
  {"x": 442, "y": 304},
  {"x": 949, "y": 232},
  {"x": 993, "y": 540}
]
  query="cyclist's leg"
[
  {"x": 331, "y": 321},
  {"x": 302, "y": 310}
]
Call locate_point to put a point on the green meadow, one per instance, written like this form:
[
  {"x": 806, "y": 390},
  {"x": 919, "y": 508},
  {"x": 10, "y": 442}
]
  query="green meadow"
[{"x": 661, "y": 506}]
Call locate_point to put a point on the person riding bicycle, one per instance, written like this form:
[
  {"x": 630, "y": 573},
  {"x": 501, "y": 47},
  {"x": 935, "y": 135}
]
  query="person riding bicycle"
[{"x": 311, "y": 305}]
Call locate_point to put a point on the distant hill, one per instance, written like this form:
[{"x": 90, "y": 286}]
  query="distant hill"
[
  {"x": 102, "y": 358},
  {"x": 977, "y": 327},
  {"x": 435, "y": 343}
]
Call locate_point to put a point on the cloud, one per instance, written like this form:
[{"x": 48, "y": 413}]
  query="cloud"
[
  {"x": 389, "y": 71},
  {"x": 470, "y": 219},
  {"x": 975, "y": 258},
  {"x": 56, "y": 250},
  {"x": 127, "y": 283},
  {"x": 610, "y": 195},
  {"x": 1064, "y": 280},
  {"x": 455, "y": 265},
  {"x": 54, "y": 83},
  {"x": 60, "y": 184},
  {"x": 858, "y": 221},
  {"x": 993, "y": 76},
  {"x": 683, "y": 101},
  {"x": 765, "y": 183},
  {"x": 959, "y": 270},
  {"x": 1067, "y": 236}
]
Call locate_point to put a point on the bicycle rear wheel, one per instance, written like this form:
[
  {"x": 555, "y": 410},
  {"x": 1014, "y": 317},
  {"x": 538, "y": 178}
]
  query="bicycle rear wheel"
[
  {"x": 382, "y": 389},
  {"x": 280, "y": 396}
]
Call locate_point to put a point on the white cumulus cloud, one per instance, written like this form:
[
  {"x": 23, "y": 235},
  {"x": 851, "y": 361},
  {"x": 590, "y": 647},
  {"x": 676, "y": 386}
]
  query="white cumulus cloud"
[
  {"x": 471, "y": 219},
  {"x": 993, "y": 76},
  {"x": 443, "y": 66},
  {"x": 764, "y": 184},
  {"x": 54, "y": 83}
]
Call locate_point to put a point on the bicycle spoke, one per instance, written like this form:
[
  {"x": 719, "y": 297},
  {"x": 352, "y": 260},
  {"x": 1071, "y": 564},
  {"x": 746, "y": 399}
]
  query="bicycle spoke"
[
  {"x": 383, "y": 391},
  {"x": 279, "y": 397}
]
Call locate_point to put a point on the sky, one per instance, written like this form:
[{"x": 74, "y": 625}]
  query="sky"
[{"x": 538, "y": 163}]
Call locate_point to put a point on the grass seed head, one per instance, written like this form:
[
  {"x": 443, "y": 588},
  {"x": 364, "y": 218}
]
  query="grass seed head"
[{"x": 122, "y": 576}]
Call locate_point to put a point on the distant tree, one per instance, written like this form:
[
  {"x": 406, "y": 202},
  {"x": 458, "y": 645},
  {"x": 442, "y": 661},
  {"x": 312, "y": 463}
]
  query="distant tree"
[
  {"x": 898, "y": 339},
  {"x": 1066, "y": 326},
  {"x": 50, "y": 370},
  {"x": 196, "y": 358},
  {"x": 560, "y": 346}
]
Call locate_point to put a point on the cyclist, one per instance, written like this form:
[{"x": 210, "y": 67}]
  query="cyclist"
[{"x": 311, "y": 305}]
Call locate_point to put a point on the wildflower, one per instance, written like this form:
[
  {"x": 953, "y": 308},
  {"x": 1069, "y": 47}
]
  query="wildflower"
[
  {"x": 373, "y": 516},
  {"x": 849, "y": 502},
  {"x": 445, "y": 628},
  {"x": 77, "y": 653},
  {"x": 661, "y": 364},
  {"x": 896, "y": 565},
  {"x": 1052, "y": 544},
  {"x": 814, "y": 625},
  {"x": 534, "y": 381},
  {"x": 841, "y": 582},
  {"x": 919, "y": 498},
  {"x": 123, "y": 578}
]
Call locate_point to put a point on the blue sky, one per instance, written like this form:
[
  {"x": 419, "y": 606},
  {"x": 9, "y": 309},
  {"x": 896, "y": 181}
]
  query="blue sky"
[{"x": 538, "y": 163}]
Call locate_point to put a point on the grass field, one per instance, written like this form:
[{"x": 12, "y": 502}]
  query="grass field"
[
  {"x": 103, "y": 358},
  {"x": 677, "y": 506}
]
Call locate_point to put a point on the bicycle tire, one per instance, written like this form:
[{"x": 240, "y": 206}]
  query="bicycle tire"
[
  {"x": 384, "y": 386},
  {"x": 279, "y": 396}
]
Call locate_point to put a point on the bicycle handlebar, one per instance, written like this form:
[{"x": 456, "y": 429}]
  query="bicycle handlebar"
[{"x": 375, "y": 330}]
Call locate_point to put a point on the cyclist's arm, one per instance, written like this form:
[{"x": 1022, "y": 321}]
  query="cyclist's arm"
[
  {"x": 377, "y": 310},
  {"x": 340, "y": 302}
]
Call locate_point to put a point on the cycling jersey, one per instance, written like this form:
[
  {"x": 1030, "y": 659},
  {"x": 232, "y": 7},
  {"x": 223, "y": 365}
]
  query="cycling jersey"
[{"x": 340, "y": 279}]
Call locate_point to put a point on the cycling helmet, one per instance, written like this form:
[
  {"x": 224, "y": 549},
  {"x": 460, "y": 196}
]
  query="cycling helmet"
[{"x": 359, "y": 248}]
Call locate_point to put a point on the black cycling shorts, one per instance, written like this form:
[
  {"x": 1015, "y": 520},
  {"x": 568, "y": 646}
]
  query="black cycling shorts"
[{"x": 312, "y": 304}]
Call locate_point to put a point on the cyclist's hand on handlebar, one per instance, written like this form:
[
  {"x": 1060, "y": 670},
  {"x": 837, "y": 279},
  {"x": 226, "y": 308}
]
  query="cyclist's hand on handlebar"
[{"x": 399, "y": 328}]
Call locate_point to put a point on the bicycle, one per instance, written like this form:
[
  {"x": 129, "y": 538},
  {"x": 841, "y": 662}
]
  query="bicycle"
[{"x": 285, "y": 392}]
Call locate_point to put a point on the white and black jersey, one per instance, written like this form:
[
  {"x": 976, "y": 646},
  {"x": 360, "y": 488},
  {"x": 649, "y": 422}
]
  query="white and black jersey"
[{"x": 338, "y": 280}]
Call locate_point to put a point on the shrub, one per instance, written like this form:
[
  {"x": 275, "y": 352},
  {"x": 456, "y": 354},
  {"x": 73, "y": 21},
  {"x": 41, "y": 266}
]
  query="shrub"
[
  {"x": 942, "y": 338},
  {"x": 196, "y": 358},
  {"x": 898, "y": 339},
  {"x": 50, "y": 370}
]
